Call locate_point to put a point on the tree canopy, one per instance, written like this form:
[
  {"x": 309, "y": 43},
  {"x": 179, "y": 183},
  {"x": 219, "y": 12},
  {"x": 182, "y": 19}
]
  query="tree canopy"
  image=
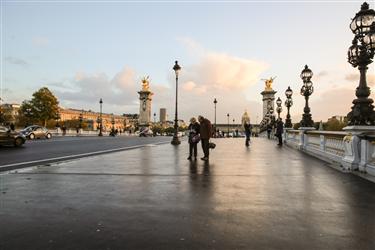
[{"x": 42, "y": 107}]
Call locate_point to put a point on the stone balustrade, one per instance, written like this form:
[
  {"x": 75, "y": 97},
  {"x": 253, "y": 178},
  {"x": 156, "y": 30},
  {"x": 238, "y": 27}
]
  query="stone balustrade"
[{"x": 351, "y": 151}]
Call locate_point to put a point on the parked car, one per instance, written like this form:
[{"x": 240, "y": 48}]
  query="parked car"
[
  {"x": 36, "y": 131},
  {"x": 145, "y": 132},
  {"x": 11, "y": 138}
]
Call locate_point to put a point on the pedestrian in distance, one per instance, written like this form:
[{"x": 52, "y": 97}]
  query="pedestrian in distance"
[
  {"x": 269, "y": 130},
  {"x": 194, "y": 137},
  {"x": 280, "y": 131},
  {"x": 247, "y": 127},
  {"x": 63, "y": 129},
  {"x": 205, "y": 134}
]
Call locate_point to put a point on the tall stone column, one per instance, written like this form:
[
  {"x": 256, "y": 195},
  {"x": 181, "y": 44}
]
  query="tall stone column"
[
  {"x": 145, "y": 99},
  {"x": 268, "y": 98}
]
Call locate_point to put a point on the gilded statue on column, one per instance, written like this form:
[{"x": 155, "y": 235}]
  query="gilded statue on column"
[
  {"x": 146, "y": 83},
  {"x": 268, "y": 83}
]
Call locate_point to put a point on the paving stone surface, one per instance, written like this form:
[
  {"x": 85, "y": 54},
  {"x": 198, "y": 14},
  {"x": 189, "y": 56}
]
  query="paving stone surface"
[{"x": 262, "y": 197}]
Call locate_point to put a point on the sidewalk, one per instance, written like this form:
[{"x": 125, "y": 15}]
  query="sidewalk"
[{"x": 264, "y": 197}]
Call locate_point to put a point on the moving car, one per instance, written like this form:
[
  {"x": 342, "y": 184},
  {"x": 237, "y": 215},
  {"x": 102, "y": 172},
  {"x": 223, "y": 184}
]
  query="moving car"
[
  {"x": 9, "y": 137},
  {"x": 145, "y": 132},
  {"x": 36, "y": 131}
]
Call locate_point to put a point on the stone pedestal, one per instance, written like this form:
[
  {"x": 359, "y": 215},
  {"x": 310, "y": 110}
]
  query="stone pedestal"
[
  {"x": 357, "y": 151},
  {"x": 145, "y": 97},
  {"x": 268, "y": 97}
]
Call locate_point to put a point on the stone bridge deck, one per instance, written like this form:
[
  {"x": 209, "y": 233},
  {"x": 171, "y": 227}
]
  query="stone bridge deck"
[{"x": 264, "y": 197}]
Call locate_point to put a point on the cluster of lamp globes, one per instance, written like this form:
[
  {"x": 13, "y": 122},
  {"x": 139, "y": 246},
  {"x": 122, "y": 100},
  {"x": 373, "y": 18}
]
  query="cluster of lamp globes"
[{"x": 363, "y": 45}]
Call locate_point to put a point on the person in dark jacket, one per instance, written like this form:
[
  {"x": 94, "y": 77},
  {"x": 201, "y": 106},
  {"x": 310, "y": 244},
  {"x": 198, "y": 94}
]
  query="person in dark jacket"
[
  {"x": 280, "y": 131},
  {"x": 194, "y": 130},
  {"x": 205, "y": 133},
  {"x": 247, "y": 127}
]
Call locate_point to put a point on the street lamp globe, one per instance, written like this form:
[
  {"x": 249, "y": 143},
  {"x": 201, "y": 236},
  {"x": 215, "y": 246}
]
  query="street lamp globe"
[
  {"x": 306, "y": 74},
  {"x": 176, "y": 68},
  {"x": 362, "y": 20},
  {"x": 369, "y": 39},
  {"x": 271, "y": 110},
  {"x": 288, "y": 102},
  {"x": 288, "y": 92},
  {"x": 278, "y": 101},
  {"x": 353, "y": 53}
]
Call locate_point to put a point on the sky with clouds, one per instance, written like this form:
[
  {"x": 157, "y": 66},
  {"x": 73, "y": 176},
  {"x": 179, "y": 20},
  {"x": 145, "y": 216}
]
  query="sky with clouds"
[{"x": 86, "y": 50}]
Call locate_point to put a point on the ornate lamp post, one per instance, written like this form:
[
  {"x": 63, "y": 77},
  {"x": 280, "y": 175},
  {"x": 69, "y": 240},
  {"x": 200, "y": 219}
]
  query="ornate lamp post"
[
  {"x": 279, "y": 109},
  {"x": 154, "y": 117},
  {"x": 215, "y": 102},
  {"x": 360, "y": 55},
  {"x": 288, "y": 104},
  {"x": 175, "y": 140},
  {"x": 100, "y": 118},
  {"x": 228, "y": 123},
  {"x": 307, "y": 90},
  {"x": 28, "y": 113}
]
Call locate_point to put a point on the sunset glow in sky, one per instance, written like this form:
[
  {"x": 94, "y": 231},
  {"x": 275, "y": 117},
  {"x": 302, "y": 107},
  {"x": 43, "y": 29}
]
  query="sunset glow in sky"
[{"x": 86, "y": 50}]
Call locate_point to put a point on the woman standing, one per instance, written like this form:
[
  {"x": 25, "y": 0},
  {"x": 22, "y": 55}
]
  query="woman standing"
[
  {"x": 247, "y": 127},
  {"x": 193, "y": 128}
]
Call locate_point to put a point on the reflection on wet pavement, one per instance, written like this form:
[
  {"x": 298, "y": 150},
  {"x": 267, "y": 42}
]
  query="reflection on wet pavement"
[{"x": 262, "y": 197}]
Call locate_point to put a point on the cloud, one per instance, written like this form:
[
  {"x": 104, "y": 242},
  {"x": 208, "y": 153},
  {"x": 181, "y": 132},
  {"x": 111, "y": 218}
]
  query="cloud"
[
  {"x": 352, "y": 77},
  {"x": 218, "y": 71},
  {"x": 322, "y": 73},
  {"x": 212, "y": 75},
  {"x": 222, "y": 76},
  {"x": 16, "y": 61},
  {"x": 336, "y": 101},
  {"x": 86, "y": 90},
  {"x": 40, "y": 41},
  {"x": 355, "y": 78}
]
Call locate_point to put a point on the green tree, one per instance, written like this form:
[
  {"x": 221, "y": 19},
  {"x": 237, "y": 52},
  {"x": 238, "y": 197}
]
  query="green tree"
[
  {"x": 25, "y": 114},
  {"x": 334, "y": 125},
  {"x": 43, "y": 106},
  {"x": 296, "y": 125}
]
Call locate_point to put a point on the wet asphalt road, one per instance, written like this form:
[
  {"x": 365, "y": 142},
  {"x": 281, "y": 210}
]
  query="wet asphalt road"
[
  {"x": 46, "y": 151},
  {"x": 262, "y": 197}
]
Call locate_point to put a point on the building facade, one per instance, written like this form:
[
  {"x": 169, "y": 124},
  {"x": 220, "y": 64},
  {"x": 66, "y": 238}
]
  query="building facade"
[
  {"x": 163, "y": 115},
  {"x": 91, "y": 118},
  {"x": 9, "y": 111}
]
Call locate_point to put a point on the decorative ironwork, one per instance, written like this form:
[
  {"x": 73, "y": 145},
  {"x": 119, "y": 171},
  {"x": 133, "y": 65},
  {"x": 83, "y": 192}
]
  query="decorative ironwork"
[
  {"x": 307, "y": 90},
  {"x": 288, "y": 104},
  {"x": 360, "y": 55}
]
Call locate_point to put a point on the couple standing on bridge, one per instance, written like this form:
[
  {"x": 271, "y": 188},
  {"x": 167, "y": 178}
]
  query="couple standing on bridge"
[{"x": 201, "y": 131}]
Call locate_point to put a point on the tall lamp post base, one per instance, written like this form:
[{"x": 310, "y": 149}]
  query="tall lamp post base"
[{"x": 175, "y": 141}]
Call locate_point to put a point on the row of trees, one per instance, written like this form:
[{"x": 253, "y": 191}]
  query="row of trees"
[
  {"x": 159, "y": 129},
  {"x": 332, "y": 124}
]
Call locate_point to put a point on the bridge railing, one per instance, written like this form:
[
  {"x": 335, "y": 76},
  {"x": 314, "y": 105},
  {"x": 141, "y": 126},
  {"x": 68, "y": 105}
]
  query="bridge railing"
[{"x": 351, "y": 151}]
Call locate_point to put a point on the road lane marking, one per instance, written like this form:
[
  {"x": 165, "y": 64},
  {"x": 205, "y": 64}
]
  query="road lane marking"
[{"x": 68, "y": 157}]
